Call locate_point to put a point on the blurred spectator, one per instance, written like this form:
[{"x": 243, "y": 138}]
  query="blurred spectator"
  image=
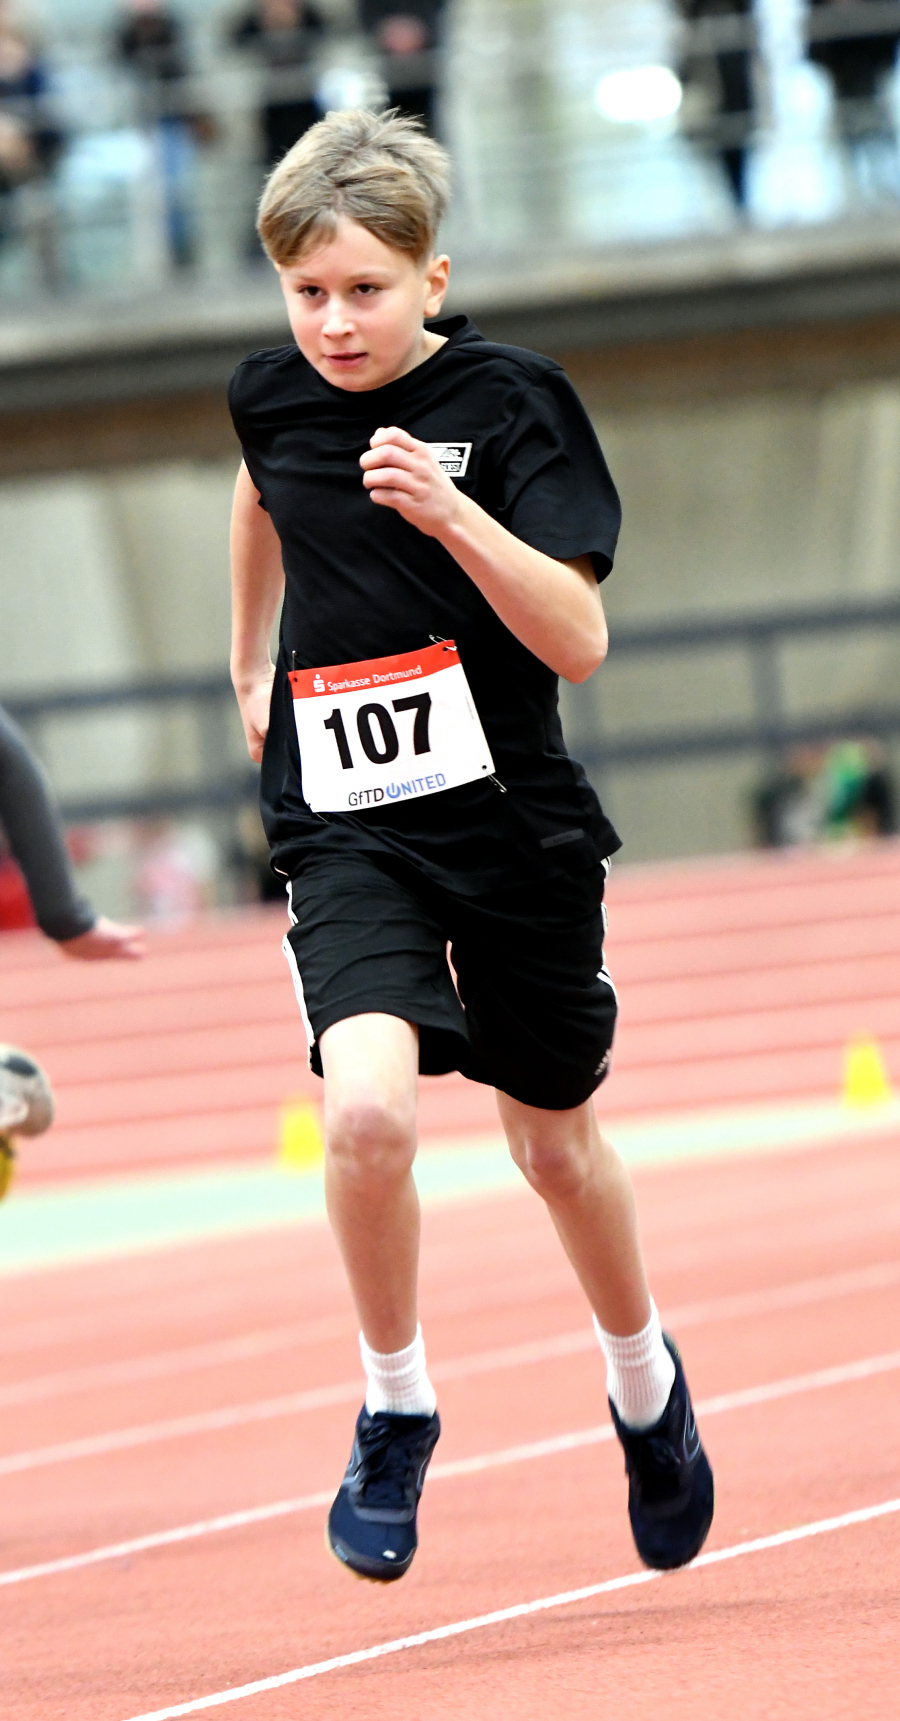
[
  {"x": 150, "y": 41},
  {"x": 176, "y": 879},
  {"x": 250, "y": 859},
  {"x": 30, "y": 141},
  {"x": 406, "y": 39},
  {"x": 284, "y": 35},
  {"x": 860, "y": 67},
  {"x": 732, "y": 79},
  {"x": 846, "y": 790}
]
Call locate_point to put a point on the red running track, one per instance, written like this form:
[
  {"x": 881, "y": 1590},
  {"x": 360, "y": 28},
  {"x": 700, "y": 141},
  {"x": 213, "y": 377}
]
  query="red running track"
[
  {"x": 741, "y": 981},
  {"x": 780, "y": 1267}
]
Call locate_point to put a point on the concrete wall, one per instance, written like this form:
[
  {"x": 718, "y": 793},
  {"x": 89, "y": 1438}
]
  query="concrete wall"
[{"x": 763, "y": 501}]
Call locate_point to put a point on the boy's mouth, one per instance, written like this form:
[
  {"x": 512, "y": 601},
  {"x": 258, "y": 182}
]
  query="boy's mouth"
[{"x": 345, "y": 361}]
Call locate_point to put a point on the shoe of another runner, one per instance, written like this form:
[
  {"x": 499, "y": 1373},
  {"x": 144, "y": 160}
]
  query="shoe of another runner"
[
  {"x": 670, "y": 1482},
  {"x": 372, "y": 1524},
  {"x": 26, "y": 1100},
  {"x": 26, "y": 1106}
]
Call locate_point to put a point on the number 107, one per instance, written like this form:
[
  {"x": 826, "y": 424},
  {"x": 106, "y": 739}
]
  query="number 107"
[{"x": 382, "y": 748}]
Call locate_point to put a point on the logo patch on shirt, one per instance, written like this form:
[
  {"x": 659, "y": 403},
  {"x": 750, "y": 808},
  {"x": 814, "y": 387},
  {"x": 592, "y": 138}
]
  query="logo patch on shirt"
[{"x": 452, "y": 457}]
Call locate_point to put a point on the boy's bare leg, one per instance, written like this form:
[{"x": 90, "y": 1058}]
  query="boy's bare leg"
[
  {"x": 371, "y": 1066},
  {"x": 589, "y": 1197}
]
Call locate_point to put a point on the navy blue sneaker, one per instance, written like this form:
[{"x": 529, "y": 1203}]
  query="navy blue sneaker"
[
  {"x": 372, "y": 1524},
  {"x": 670, "y": 1482}
]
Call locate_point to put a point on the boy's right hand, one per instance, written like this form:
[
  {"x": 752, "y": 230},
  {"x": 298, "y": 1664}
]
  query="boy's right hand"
[{"x": 254, "y": 697}]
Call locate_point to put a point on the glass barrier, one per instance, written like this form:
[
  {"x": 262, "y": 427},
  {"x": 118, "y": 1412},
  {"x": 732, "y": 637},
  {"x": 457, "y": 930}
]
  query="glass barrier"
[{"x": 133, "y": 144}]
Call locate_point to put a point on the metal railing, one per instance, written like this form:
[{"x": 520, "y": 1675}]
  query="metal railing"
[
  {"x": 82, "y": 223},
  {"x": 769, "y": 731},
  {"x": 772, "y": 728},
  {"x": 210, "y": 699}
]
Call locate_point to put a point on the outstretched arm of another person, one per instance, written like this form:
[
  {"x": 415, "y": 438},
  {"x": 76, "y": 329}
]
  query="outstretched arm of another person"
[
  {"x": 31, "y": 823},
  {"x": 257, "y": 588},
  {"x": 552, "y": 607}
]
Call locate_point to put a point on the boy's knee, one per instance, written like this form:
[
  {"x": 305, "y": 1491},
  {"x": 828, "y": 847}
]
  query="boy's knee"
[
  {"x": 370, "y": 1139},
  {"x": 555, "y": 1168}
]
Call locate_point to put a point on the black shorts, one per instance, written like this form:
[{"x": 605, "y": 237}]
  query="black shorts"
[{"x": 535, "y": 1009}]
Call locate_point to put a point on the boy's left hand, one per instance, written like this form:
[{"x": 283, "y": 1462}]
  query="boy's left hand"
[{"x": 401, "y": 473}]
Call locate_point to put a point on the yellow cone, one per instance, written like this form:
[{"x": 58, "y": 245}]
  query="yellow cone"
[
  {"x": 866, "y": 1080},
  {"x": 300, "y": 1144},
  {"x": 7, "y": 1164}
]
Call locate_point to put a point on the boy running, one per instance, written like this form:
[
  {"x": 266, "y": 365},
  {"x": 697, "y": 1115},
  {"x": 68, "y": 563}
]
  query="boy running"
[{"x": 436, "y": 514}]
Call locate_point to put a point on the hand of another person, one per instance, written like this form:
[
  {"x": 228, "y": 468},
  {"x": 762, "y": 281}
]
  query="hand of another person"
[
  {"x": 17, "y": 157},
  {"x": 402, "y": 33},
  {"x": 401, "y": 473},
  {"x": 107, "y": 941},
  {"x": 254, "y": 697}
]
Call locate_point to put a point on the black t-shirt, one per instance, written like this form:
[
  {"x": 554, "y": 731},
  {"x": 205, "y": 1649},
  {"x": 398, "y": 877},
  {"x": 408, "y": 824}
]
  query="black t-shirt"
[{"x": 361, "y": 582}]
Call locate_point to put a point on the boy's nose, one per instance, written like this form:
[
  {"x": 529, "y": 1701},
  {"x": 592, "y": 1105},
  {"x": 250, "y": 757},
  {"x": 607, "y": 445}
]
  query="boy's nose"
[{"x": 336, "y": 321}]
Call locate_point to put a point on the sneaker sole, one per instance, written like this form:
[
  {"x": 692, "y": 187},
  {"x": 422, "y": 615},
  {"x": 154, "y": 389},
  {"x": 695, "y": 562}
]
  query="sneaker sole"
[
  {"x": 391, "y": 1575},
  {"x": 22, "y": 1077}
]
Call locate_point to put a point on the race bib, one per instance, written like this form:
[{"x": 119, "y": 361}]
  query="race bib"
[{"x": 389, "y": 730}]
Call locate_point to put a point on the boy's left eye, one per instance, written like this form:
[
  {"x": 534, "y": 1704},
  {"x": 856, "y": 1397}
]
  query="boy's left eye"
[{"x": 367, "y": 287}]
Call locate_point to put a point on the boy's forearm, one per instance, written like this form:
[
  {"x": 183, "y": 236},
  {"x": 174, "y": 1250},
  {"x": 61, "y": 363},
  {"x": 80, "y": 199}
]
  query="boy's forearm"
[
  {"x": 255, "y": 602},
  {"x": 257, "y": 584},
  {"x": 553, "y": 607}
]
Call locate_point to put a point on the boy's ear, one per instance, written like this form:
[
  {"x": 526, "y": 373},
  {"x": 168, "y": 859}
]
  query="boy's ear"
[{"x": 437, "y": 276}]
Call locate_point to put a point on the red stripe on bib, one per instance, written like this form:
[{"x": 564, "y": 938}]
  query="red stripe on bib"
[{"x": 373, "y": 672}]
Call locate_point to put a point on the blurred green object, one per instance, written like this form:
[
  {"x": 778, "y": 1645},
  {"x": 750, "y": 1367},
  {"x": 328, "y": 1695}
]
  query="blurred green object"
[
  {"x": 827, "y": 793},
  {"x": 846, "y": 771}
]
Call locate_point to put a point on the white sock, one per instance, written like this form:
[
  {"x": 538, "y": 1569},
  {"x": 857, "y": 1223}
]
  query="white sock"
[
  {"x": 639, "y": 1372},
  {"x": 398, "y": 1380}
]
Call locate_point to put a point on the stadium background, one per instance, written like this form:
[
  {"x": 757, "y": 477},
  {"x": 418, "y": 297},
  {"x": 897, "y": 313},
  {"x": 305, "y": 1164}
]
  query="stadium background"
[
  {"x": 741, "y": 366},
  {"x": 178, "y": 1354}
]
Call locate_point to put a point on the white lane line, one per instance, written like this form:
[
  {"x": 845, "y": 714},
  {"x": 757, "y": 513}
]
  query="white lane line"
[
  {"x": 803, "y": 1292},
  {"x": 160, "y": 1365},
  {"x": 843, "y": 1374},
  {"x": 521, "y": 1610}
]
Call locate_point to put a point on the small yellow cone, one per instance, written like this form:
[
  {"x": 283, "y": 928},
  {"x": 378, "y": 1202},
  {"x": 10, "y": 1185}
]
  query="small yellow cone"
[
  {"x": 7, "y": 1164},
  {"x": 866, "y": 1080},
  {"x": 300, "y": 1144}
]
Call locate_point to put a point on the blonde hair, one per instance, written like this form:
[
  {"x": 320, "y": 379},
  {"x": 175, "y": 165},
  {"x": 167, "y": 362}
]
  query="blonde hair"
[{"x": 378, "y": 169}]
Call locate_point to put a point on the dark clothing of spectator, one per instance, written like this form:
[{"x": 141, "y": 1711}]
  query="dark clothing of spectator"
[
  {"x": 285, "y": 38},
  {"x": 734, "y": 79},
  {"x": 24, "y": 102},
  {"x": 407, "y": 37},
  {"x": 30, "y": 142},
  {"x": 858, "y": 65},
  {"x": 151, "y": 42}
]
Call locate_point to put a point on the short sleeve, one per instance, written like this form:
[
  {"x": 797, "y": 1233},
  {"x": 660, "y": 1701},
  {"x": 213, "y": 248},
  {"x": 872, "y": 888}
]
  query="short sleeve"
[
  {"x": 239, "y": 405},
  {"x": 557, "y": 493}
]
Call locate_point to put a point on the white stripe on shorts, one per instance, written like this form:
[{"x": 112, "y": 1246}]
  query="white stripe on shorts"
[{"x": 289, "y": 952}]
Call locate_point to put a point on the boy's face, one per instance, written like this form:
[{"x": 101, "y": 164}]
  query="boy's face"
[{"x": 356, "y": 307}]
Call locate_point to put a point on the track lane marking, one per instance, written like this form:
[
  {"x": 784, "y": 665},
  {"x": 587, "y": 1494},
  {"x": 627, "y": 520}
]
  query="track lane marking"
[
  {"x": 161, "y": 1365},
  {"x": 521, "y": 1610},
  {"x": 269, "y": 1341},
  {"x": 745, "y": 1397}
]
